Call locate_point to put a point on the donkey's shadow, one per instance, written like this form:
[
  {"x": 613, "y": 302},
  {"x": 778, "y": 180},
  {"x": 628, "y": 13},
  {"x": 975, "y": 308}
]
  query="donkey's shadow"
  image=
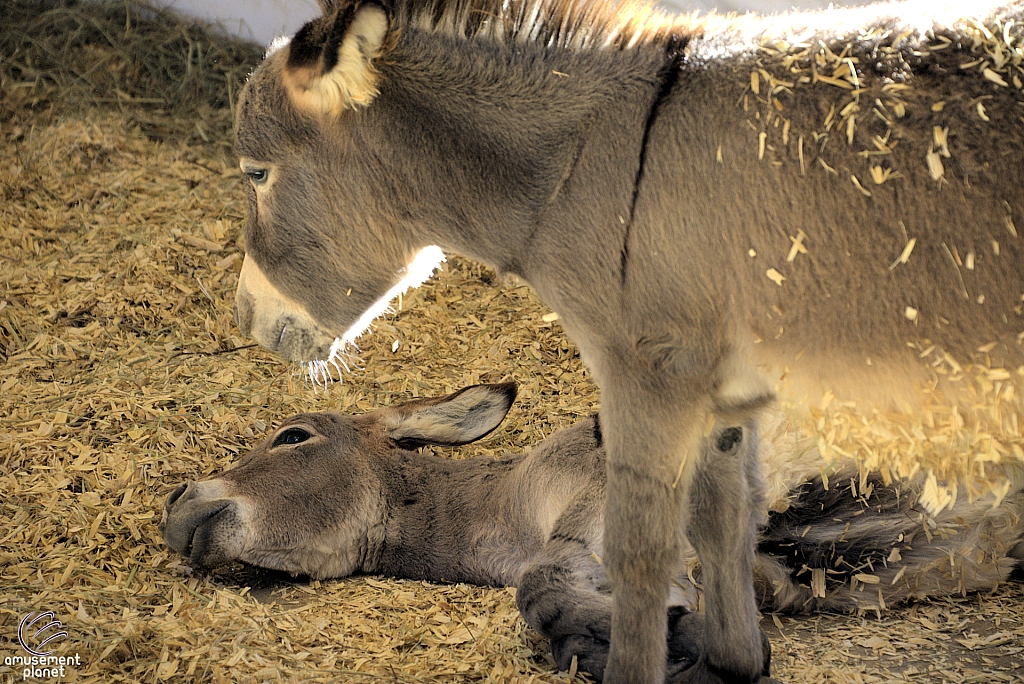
[{"x": 265, "y": 586}]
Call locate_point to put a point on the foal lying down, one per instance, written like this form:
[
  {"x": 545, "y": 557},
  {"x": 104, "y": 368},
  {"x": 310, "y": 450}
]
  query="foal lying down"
[{"x": 329, "y": 495}]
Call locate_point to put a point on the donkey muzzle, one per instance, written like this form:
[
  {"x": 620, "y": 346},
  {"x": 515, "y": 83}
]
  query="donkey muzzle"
[{"x": 207, "y": 530}]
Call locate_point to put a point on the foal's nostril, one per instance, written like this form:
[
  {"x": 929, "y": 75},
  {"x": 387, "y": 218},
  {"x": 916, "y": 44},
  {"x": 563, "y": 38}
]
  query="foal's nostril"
[{"x": 175, "y": 495}]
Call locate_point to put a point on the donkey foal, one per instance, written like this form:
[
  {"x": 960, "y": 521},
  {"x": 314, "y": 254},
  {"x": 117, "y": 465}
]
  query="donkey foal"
[{"x": 328, "y": 495}]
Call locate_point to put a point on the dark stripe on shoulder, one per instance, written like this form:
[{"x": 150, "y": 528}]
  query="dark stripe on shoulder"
[
  {"x": 669, "y": 77},
  {"x": 568, "y": 538}
]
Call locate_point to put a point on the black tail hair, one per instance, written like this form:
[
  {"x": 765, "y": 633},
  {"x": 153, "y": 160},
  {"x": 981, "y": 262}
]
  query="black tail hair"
[{"x": 820, "y": 528}]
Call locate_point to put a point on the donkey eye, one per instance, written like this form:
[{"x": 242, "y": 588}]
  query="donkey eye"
[
  {"x": 257, "y": 176},
  {"x": 293, "y": 435}
]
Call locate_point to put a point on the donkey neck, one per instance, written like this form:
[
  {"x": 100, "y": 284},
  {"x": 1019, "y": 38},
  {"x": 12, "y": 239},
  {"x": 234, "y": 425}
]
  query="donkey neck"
[
  {"x": 522, "y": 130},
  {"x": 436, "y": 514}
]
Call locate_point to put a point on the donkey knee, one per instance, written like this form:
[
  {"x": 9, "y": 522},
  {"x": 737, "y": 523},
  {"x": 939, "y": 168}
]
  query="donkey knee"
[
  {"x": 555, "y": 601},
  {"x": 537, "y": 598}
]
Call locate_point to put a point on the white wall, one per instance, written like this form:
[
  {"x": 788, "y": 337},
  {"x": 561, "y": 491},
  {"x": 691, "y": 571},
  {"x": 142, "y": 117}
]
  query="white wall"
[
  {"x": 259, "y": 20},
  {"x": 263, "y": 20}
]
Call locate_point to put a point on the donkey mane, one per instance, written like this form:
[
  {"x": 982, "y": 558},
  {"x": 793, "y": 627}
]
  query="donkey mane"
[
  {"x": 582, "y": 25},
  {"x": 568, "y": 24}
]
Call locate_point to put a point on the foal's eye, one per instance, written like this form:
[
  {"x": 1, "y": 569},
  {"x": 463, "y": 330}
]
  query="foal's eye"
[
  {"x": 257, "y": 176},
  {"x": 293, "y": 435}
]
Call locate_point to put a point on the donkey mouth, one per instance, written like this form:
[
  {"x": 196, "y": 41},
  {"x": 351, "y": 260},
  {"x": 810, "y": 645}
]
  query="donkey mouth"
[
  {"x": 193, "y": 531},
  {"x": 190, "y": 549}
]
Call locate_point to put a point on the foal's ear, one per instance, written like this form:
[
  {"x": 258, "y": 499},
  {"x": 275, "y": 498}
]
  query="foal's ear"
[
  {"x": 459, "y": 418},
  {"x": 330, "y": 60}
]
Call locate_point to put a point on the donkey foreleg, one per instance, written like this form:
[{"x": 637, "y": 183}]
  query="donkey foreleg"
[
  {"x": 563, "y": 596},
  {"x": 558, "y": 596},
  {"x": 651, "y": 443},
  {"x": 724, "y": 500}
]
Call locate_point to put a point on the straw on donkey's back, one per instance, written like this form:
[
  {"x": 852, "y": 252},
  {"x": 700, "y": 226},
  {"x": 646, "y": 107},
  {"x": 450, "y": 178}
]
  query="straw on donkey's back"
[{"x": 820, "y": 208}]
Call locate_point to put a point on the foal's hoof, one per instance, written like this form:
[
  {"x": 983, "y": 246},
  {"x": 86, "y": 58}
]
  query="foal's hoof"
[{"x": 591, "y": 654}]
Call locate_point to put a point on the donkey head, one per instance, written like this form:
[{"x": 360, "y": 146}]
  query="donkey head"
[
  {"x": 377, "y": 136},
  {"x": 326, "y": 247},
  {"x": 310, "y": 499}
]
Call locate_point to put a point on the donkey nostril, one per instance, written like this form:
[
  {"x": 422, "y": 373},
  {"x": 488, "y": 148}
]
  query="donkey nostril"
[
  {"x": 280, "y": 337},
  {"x": 175, "y": 495}
]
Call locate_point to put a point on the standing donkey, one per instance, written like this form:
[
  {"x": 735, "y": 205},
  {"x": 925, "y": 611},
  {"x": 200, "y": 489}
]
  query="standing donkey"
[{"x": 725, "y": 212}]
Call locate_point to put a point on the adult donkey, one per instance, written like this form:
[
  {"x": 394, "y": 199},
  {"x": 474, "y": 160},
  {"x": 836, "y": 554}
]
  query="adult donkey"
[{"x": 722, "y": 210}]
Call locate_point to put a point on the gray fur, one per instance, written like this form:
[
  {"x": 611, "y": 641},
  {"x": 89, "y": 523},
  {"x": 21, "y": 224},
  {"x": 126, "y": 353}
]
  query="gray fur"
[
  {"x": 351, "y": 499},
  {"x": 621, "y": 164}
]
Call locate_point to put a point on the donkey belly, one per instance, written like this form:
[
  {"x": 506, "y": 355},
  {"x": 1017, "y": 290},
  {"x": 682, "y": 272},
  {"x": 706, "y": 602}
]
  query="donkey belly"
[{"x": 956, "y": 426}]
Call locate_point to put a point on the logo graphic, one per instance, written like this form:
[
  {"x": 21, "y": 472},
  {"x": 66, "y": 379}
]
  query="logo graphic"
[
  {"x": 39, "y": 633},
  {"x": 35, "y": 642}
]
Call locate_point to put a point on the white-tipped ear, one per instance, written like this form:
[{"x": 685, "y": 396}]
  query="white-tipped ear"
[
  {"x": 459, "y": 418},
  {"x": 330, "y": 62}
]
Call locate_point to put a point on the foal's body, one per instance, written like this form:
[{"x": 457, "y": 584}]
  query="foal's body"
[
  {"x": 329, "y": 495},
  {"x": 722, "y": 212}
]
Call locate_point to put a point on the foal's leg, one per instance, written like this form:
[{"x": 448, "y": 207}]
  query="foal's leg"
[
  {"x": 663, "y": 484},
  {"x": 558, "y": 596},
  {"x": 724, "y": 507}
]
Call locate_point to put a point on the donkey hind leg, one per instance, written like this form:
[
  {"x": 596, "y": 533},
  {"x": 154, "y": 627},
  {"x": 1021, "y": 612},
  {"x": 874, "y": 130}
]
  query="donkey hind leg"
[{"x": 724, "y": 500}]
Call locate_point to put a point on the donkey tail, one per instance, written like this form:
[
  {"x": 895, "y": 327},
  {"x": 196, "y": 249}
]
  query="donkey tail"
[{"x": 861, "y": 545}]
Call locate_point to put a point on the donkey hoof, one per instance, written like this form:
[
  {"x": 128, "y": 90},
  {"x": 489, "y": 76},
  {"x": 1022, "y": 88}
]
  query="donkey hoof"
[
  {"x": 686, "y": 633},
  {"x": 703, "y": 673},
  {"x": 591, "y": 654}
]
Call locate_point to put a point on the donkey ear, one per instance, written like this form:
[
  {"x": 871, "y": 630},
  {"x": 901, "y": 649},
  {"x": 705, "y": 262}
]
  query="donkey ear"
[
  {"x": 330, "y": 60},
  {"x": 459, "y": 418}
]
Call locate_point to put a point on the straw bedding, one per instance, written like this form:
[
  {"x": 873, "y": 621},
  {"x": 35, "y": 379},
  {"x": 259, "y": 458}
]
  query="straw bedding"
[{"x": 122, "y": 374}]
